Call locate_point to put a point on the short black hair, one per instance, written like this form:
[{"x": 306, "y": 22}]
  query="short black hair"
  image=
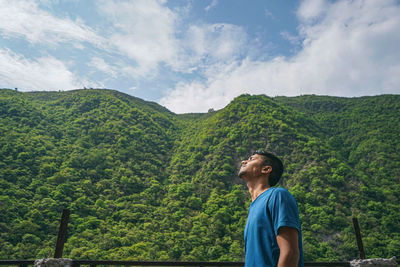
[{"x": 275, "y": 163}]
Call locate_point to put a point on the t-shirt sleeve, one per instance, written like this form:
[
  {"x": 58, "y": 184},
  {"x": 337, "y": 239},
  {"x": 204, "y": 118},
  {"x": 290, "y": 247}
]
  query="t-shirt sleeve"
[{"x": 283, "y": 209}]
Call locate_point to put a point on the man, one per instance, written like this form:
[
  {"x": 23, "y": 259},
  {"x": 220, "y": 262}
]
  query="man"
[{"x": 272, "y": 235}]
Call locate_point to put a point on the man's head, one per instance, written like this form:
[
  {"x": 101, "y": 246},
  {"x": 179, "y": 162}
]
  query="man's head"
[{"x": 262, "y": 163}]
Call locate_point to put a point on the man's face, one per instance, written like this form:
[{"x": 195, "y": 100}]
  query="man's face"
[{"x": 251, "y": 167}]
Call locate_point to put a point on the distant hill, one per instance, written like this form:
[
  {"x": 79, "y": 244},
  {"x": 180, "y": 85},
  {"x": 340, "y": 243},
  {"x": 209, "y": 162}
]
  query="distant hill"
[{"x": 143, "y": 183}]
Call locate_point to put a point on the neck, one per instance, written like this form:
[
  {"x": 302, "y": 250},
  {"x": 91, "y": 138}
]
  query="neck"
[{"x": 257, "y": 187}]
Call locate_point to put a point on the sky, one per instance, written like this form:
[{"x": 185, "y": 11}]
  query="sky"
[{"x": 194, "y": 55}]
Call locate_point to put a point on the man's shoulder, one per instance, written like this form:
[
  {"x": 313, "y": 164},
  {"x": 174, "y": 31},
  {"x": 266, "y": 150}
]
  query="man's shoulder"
[
  {"x": 272, "y": 195},
  {"x": 280, "y": 192}
]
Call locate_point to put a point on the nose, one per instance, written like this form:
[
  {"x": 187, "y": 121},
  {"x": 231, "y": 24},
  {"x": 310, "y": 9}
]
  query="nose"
[{"x": 243, "y": 162}]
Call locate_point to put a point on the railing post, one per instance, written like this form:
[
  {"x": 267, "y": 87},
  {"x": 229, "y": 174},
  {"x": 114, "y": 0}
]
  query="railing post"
[
  {"x": 359, "y": 240},
  {"x": 62, "y": 234}
]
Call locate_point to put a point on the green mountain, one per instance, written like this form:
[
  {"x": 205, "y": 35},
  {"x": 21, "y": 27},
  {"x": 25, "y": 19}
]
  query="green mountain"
[{"x": 143, "y": 183}]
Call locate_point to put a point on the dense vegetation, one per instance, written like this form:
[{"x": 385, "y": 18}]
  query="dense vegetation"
[{"x": 143, "y": 183}]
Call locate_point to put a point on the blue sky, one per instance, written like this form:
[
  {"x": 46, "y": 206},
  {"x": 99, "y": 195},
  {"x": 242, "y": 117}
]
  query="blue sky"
[{"x": 191, "y": 56}]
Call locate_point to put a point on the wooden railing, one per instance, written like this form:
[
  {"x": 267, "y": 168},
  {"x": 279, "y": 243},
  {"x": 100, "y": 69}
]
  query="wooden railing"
[{"x": 93, "y": 263}]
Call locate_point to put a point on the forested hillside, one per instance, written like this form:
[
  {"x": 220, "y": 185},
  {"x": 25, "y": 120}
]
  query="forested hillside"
[{"x": 143, "y": 183}]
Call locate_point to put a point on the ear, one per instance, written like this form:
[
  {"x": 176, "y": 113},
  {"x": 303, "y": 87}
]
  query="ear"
[{"x": 266, "y": 169}]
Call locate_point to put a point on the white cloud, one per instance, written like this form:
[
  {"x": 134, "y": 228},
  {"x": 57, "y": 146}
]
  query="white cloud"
[
  {"x": 213, "y": 4},
  {"x": 350, "y": 48},
  {"x": 208, "y": 44},
  {"x": 151, "y": 35},
  {"x": 144, "y": 32},
  {"x": 224, "y": 82},
  {"x": 310, "y": 10},
  {"x": 294, "y": 39},
  {"x": 269, "y": 14},
  {"x": 101, "y": 65},
  {"x": 23, "y": 18},
  {"x": 46, "y": 73},
  {"x": 217, "y": 41}
]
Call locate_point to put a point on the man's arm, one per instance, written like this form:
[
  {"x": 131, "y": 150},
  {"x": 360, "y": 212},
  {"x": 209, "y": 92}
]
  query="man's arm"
[{"x": 288, "y": 242}]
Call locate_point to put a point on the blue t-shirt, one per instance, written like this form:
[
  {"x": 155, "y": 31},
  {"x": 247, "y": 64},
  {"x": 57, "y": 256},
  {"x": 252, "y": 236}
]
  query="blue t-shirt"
[{"x": 274, "y": 208}]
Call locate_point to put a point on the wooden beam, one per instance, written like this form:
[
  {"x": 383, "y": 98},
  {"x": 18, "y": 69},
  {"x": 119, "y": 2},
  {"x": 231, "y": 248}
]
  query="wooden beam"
[
  {"x": 62, "y": 232},
  {"x": 359, "y": 240}
]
